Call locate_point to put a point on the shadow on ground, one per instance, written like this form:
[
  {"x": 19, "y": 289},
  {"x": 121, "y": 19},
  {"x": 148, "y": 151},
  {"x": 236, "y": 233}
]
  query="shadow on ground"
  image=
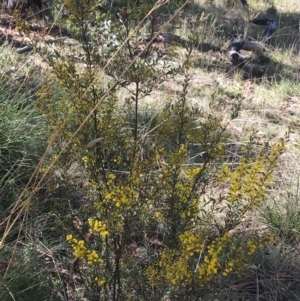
[{"x": 216, "y": 24}]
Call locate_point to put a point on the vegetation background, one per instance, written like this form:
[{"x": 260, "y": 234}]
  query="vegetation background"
[{"x": 137, "y": 163}]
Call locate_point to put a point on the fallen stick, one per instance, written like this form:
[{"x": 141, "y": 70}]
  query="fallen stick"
[
  {"x": 24, "y": 49},
  {"x": 241, "y": 61}
]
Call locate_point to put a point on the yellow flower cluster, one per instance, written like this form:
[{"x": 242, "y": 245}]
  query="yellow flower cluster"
[
  {"x": 225, "y": 256},
  {"x": 191, "y": 243},
  {"x": 228, "y": 268},
  {"x": 252, "y": 246},
  {"x": 182, "y": 149},
  {"x": 171, "y": 269},
  {"x": 271, "y": 238},
  {"x": 85, "y": 160},
  {"x": 100, "y": 281},
  {"x": 122, "y": 196},
  {"x": 192, "y": 173},
  {"x": 212, "y": 263},
  {"x": 158, "y": 216},
  {"x": 82, "y": 252},
  {"x": 92, "y": 257},
  {"x": 88, "y": 160},
  {"x": 78, "y": 246},
  {"x": 111, "y": 177},
  {"x": 178, "y": 273},
  {"x": 183, "y": 190},
  {"x": 248, "y": 181},
  {"x": 97, "y": 227},
  {"x": 192, "y": 210},
  {"x": 186, "y": 194}
]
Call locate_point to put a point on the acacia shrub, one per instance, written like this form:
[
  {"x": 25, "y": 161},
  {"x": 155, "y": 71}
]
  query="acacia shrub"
[{"x": 152, "y": 230}]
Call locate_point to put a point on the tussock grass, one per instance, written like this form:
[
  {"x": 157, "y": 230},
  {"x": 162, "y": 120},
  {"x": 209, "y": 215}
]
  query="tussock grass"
[{"x": 22, "y": 141}]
